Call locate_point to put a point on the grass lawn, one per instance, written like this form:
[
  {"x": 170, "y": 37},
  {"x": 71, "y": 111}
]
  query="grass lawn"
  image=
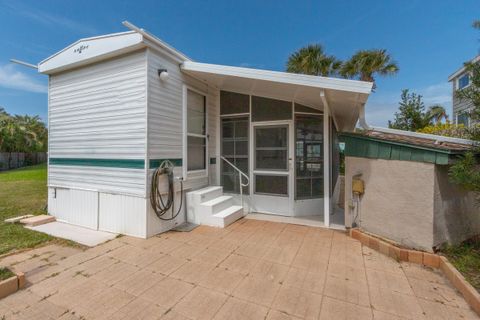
[
  {"x": 466, "y": 258},
  {"x": 22, "y": 191},
  {"x": 5, "y": 273}
]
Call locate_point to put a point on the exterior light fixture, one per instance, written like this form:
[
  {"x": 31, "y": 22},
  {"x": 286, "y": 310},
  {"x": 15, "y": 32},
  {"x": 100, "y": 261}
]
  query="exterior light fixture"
[{"x": 163, "y": 74}]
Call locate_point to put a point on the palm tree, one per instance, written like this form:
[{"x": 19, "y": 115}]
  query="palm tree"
[
  {"x": 476, "y": 24},
  {"x": 365, "y": 64},
  {"x": 436, "y": 113},
  {"x": 312, "y": 60}
]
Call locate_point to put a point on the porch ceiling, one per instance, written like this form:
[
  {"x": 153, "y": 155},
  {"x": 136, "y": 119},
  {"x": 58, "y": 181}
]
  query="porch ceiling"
[{"x": 343, "y": 96}]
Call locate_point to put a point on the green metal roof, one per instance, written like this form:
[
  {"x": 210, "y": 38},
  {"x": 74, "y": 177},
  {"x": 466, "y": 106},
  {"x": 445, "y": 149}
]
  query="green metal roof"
[{"x": 358, "y": 145}]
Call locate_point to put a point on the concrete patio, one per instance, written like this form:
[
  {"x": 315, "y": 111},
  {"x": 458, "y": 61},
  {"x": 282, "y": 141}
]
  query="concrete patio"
[{"x": 249, "y": 270}]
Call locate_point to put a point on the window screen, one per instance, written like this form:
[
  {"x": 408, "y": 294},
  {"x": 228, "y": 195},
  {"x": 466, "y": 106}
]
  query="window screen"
[
  {"x": 234, "y": 146},
  {"x": 302, "y": 108},
  {"x": 265, "y": 109},
  {"x": 308, "y": 157},
  {"x": 271, "y": 148},
  {"x": 270, "y": 184}
]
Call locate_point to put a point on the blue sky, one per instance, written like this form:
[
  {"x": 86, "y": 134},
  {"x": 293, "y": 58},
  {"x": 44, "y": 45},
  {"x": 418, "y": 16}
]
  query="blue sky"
[{"x": 428, "y": 39}]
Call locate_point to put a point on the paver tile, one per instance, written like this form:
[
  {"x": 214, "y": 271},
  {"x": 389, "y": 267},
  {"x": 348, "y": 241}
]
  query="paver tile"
[
  {"x": 298, "y": 302},
  {"x": 236, "y": 309},
  {"x": 192, "y": 271},
  {"x": 306, "y": 280},
  {"x": 438, "y": 292},
  {"x": 240, "y": 264},
  {"x": 201, "y": 304},
  {"x": 344, "y": 289},
  {"x": 166, "y": 264},
  {"x": 222, "y": 280},
  {"x": 250, "y": 270},
  {"x": 167, "y": 292},
  {"x": 399, "y": 304},
  {"x": 257, "y": 290},
  {"x": 341, "y": 310},
  {"x": 139, "y": 282},
  {"x": 439, "y": 311}
]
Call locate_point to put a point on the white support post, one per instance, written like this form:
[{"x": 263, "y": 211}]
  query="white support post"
[{"x": 326, "y": 160}]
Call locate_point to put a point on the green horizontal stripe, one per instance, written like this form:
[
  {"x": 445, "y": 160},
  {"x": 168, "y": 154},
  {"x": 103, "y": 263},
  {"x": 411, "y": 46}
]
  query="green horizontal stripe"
[
  {"x": 155, "y": 163},
  {"x": 114, "y": 163}
]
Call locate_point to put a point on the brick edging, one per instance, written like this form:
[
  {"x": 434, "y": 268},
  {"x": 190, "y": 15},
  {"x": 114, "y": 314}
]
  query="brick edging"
[
  {"x": 470, "y": 294},
  {"x": 12, "y": 284}
]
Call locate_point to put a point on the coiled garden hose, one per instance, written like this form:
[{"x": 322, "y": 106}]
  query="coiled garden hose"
[{"x": 160, "y": 205}]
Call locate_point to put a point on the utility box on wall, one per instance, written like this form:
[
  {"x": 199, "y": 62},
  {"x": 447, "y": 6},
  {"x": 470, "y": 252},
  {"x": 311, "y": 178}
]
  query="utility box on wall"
[{"x": 407, "y": 195}]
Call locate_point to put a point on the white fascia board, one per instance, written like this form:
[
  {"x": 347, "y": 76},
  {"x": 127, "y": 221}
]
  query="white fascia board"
[
  {"x": 91, "y": 49},
  {"x": 283, "y": 77},
  {"x": 152, "y": 38},
  {"x": 462, "y": 69}
]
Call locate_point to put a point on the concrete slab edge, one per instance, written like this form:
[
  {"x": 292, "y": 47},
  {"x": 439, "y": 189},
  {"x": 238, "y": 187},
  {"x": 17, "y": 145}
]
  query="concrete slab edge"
[
  {"x": 470, "y": 294},
  {"x": 12, "y": 284}
]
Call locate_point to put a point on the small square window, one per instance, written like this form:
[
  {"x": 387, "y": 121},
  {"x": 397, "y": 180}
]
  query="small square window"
[{"x": 463, "y": 81}]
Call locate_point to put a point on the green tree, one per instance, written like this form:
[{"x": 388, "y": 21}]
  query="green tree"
[
  {"x": 437, "y": 113},
  {"x": 366, "y": 64},
  {"x": 312, "y": 60},
  {"x": 411, "y": 115},
  {"x": 22, "y": 133},
  {"x": 466, "y": 171}
]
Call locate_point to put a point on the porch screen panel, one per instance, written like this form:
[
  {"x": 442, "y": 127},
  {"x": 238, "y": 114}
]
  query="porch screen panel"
[
  {"x": 308, "y": 157},
  {"x": 234, "y": 103},
  {"x": 266, "y": 109},
  {"x": 234, "y": 147}
]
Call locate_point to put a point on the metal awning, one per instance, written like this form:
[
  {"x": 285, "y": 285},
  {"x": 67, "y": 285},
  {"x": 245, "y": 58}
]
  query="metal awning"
[{"x": 343, "y": 97}]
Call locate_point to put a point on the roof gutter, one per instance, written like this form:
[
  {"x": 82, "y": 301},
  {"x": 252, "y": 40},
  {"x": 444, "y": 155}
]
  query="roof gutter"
[
  {"x": 364, "y": 125},
  {"x": 361, "y": 118}
]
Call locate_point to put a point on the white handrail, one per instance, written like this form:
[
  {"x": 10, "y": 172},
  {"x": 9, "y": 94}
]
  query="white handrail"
[{"x": 241, "y": 184}]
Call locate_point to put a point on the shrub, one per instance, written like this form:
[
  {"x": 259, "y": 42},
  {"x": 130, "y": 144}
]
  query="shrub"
[{"x": 447, "y": 129}]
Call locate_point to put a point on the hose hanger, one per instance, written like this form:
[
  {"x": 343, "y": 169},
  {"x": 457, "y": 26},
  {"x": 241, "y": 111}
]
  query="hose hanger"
[{"x": 162, "y": 204}]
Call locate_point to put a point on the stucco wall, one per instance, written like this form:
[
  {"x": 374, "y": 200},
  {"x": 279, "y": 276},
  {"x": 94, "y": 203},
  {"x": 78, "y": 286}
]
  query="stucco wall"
[
  {"x": 457, "y": 212},
  {"x": 398, "y": 203}
]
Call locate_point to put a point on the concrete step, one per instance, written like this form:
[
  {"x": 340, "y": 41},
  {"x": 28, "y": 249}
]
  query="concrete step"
[
  {"x": 227, "y": 216},
  {"x": 216, "y": 205},
  {"x": 37, "y": 220},
  {"x": 206, "y": 194}
]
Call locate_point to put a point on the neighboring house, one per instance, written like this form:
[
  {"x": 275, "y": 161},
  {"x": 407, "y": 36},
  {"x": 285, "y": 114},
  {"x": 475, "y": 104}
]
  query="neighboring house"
[
  {"x": 121, "y": 104},
  {"x": 461, "y": 79}
]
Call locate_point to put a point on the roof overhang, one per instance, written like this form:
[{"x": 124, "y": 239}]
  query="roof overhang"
[
  {"x": 462, "y": 69},
  {"x": 343, "y": 97}
]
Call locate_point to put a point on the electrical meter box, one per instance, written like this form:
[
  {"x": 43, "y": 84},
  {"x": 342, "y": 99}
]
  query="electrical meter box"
[{"x": 358, "y": 186}]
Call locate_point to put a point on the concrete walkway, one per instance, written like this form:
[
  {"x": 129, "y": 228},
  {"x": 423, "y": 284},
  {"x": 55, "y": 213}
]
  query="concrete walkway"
[{"x": 250, "y": 270}]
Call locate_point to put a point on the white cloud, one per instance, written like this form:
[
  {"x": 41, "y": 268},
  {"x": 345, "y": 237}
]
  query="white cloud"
[
  {"x": 14, "y": 79},
  {"x": 49, "y": 19}
]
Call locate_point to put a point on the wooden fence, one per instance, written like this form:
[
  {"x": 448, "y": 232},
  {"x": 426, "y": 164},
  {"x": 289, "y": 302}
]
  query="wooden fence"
[{"x": 13, "y": 160}]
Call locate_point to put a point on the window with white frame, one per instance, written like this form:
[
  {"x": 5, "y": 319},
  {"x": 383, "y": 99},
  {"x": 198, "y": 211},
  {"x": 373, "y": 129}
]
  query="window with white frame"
[
  {"x": 196, "y": 131},
  {"x": 463, "y": 81}
]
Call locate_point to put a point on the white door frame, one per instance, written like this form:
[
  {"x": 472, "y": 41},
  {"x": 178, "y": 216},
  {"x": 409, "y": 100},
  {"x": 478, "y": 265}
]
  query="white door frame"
[{"x": 279, "y": 205}]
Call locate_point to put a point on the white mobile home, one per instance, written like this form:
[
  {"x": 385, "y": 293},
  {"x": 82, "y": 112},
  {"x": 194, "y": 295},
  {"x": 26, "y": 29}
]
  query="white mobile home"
[{"x": 121, "y": 104}]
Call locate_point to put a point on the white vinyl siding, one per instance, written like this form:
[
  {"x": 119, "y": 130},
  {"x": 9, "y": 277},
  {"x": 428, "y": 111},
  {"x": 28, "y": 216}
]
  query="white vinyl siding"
[
  {"x": 98, "y": 112},
  {"x": 165, "y": 115}
]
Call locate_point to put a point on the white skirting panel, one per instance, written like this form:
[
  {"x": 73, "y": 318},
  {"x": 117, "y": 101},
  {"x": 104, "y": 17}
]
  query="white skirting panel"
[
  {"x": 156, "y": 225},
  {"x": 77, "y": 207},
  {"x": 123, "y": 214}
]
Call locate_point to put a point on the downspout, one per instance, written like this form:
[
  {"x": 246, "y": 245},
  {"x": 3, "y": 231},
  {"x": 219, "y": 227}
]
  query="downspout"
[{"x": 361, "y": 118}]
